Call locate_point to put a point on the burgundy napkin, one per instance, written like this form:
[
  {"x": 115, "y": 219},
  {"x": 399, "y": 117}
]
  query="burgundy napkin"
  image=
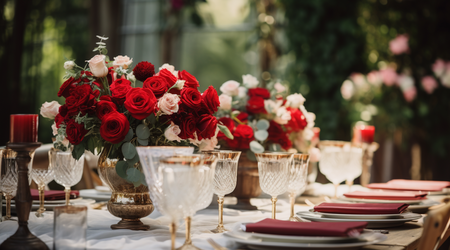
[
  {"x": 52, "y": 195},
  {"x": 377, "y": 195},
  {"x": 361, "y": 208},
  {"x": 411, "y": 185},
  {"x": 279, "y": 227}
]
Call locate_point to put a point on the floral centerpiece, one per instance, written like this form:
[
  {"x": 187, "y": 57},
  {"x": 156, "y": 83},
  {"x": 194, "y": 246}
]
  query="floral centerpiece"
[
  {"x": 103, "y": 106},
  {"x": 265, "y": 118}
]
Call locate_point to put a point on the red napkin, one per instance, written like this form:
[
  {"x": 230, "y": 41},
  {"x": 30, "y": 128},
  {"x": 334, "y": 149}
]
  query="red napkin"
[
  {"x": 279, "y": 227},
  {"x": 52, "y": 195},
  {"x": 377, "y": 195},
  {"x": 361, "y": 208},
  {"x": 411, "y": 185}
]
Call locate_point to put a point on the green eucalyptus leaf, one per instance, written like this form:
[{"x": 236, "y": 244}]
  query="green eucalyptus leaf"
[
  {"x": 129, "y": 135},
  {"x": 133, "y": 175},
  {"x": 250, "y": 155},
  {"x": 261, "y": 135},
  {"x": 263, "y": 124},
  {"x": 275, "y": 147},
  {"x": 143, "y": 142},
  {"x": 128, "y": 150},
  {"x": 78, "y": 151},
  {"x": 133, "y": 161},
  {"x": 142, "y": 131},
  {"x": 226, "y": 131},
  {"x": 256, "y": 147},
  {"x": 121, "y": 169}
]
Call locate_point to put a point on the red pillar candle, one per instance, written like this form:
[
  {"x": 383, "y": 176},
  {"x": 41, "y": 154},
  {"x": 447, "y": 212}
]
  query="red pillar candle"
[
  {"x": 23, "y": 128},
  {"x": 365, "y": 133}
]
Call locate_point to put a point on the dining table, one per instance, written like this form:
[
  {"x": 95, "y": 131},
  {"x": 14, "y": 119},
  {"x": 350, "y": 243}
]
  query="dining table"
[{"x": 100, "y": 236}]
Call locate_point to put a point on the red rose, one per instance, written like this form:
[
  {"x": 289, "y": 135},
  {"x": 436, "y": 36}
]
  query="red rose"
[
  {"x": 105, "y": 98},
  {"x": 190, "y": 99},
  {"x": 121, "y": 81},
  {"x": 75, "y": 132},
  {"x": 210, "y": 100},
  {"x": 229, "y": 123},
  {"x": 243, "y": 135},
  {"x": 157, "y": 84},
  {"x": 261, "y": 92},
  {"x": 82, "y": 98},
  {"x": 114, "y": 127},
  {"x": 243, "y": 117},
  {"x": 58, "y": 120},
  {"x": 191, "y": 81},
  {"x": 170, "y": 78},
  {"x": 278, "y": 135},
  {"x": 143, "y": 70},
  {"x": 140, "y": 102},
  {"x": 110, "y": 76},
  {"x": 119, "y": 91},
  {"x": 104, "y": 108},
  {"x": 187, "y": 126},
  {"x": 297, "y": 122},
  {"x": 256, "y": 105},
  {"x": 67, "y": 87},
  {"x": 206, "y": 126}
]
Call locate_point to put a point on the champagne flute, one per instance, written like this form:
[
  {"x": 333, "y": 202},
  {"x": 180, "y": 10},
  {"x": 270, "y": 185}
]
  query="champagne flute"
[
  {"x": 224, "y": 179},
  {"x": 9, "y": 177},
  {"x": 68, "y": 171},
  {"x": 273, "y": 171},
  {"x": 42, "y": 176},
  {"x": 298, "y": 171}
]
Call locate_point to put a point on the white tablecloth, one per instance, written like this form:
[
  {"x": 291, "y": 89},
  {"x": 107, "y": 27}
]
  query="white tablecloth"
[{"x": 100, "y": 236}]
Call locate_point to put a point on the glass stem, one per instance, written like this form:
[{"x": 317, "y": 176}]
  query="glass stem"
[
  {"x": 220, "y": 202},
  {"x": 188, "y": 231},
  {"x": 349, "y": 184},
  {"x": 274, "y": 206},
  {"x": 173, "y": 229},
  {"x": 8, "y": 206},
  {"x": 41, "y": 198},
  {"x": 292, "y": 200},
  {"x": 67, "y": 190},
  {"x": 336, "y": 190}
]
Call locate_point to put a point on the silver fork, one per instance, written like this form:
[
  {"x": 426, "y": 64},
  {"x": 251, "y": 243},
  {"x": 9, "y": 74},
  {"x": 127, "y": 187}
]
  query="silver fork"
[{"x": 215, "y": 245}]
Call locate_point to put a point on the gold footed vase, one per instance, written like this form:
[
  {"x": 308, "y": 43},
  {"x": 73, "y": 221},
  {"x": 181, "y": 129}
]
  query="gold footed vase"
[{"x": 127, "y": 202}]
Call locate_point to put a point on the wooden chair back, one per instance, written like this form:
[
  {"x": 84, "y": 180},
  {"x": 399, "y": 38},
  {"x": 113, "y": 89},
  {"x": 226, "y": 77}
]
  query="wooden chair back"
[{"x": 435, "y": 226}]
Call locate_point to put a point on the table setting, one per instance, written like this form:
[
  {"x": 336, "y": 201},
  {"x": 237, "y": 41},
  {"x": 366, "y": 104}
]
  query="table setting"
[{"x": 166, "y": 148}]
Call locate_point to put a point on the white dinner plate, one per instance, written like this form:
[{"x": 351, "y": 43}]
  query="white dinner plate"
[
  {"x": 238, "y": 231},
  {"x": 51, "y": 206},
  {"x": 373, "y": 223},
  {"x": 94, "y": 194},
  {"x": 410, "y": 202},
  {"x": 259, "y": 243},
  {"x": 358, "y": 216}
]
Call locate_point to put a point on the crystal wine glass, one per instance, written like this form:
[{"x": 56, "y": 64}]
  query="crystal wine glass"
[
  {"x": 298, "y": 171},
  {"x": 182, "y": 178},
  {"x": 42, "y": 176},
  {"x": 273, "y": 171},
  {"x": 9, "y": 177},
  {"x": 337, "y": 158},
  {"x": 224, "y": 179},
  {"x": 68, "y": 171}
]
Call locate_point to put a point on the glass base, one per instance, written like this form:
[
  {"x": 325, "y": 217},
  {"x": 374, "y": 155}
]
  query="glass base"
[
  {"x": 188, "y": 247},
  {"x": 39, "y": 215},
  {"x": 219, "y": 230},
  {"x": 295, "y": 218}
]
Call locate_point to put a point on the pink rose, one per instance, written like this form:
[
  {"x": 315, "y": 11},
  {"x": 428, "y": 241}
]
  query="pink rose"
[
  {"x": 168, "y": 103},
  {"x": 122, "y": 61},
  {"x": 445, "y": 78},
  {"x": 98, "y": 66},
  {"x": 399, "y": 45},
  {"x": 429, "y": 84},
  {"x": 230, "y": 88},
  {"x": 410, "y": 94},
  {"x": 50, "y": 109},
  {"x": 279, "y": 87},
  {"x": 172, "y": 133},
  {"x": 405, "y": 82},
  {"x": 314, "y": 155},
  {"x": 438, "y": 67},
  {"x": 374, "y": 78},
  {"x": 225, "y": 102},
  {"x": 54, "y": 129},
  {"x": 208, "y": 144},
  {"x": 347, "y": 89},
  {"x": 358, "y": 79},
  {"x": 389, "y": 76}
]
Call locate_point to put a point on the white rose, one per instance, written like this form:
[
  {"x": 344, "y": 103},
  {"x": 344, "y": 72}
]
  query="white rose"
[
  {"x": 131, "y": 77},
  {"x": 122, "y": 61},
  {"x": 168, "y": 103},
  {"x": 172, "y": 133},
  {"x": 347, "y": 89},
  {"x": 282, "y": 116},
  {"x": 295, "y": 100},
  {"x": 69, "y": 65},
  {"x": 170, "y": 68},
  {"x": 50, "y": 109},
  {"x": 54, "y": 128},
  {"x": 98, "y": 66},
  {"x": 180, "y": 84},
  {"x": 308, "y": 134},
  {"x": 230, "y": 88},
  {"x": 279, "y": 87},
  {"x": 314, "y": 155},
  {"x": 242, "y": 92},
  {"x": 225, "y": 102},
  {"x": 250, "y": 81},
  {"x": 310, "y": 118}
]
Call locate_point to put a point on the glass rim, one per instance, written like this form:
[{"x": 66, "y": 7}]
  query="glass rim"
[
  {"x": 71, "y": 208},
  {"x": 193, "y": 160},
  {"x": 337, "y": 143},
  {"x": 175, "y": 147},
  {"x": 300, "y": 156}
]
